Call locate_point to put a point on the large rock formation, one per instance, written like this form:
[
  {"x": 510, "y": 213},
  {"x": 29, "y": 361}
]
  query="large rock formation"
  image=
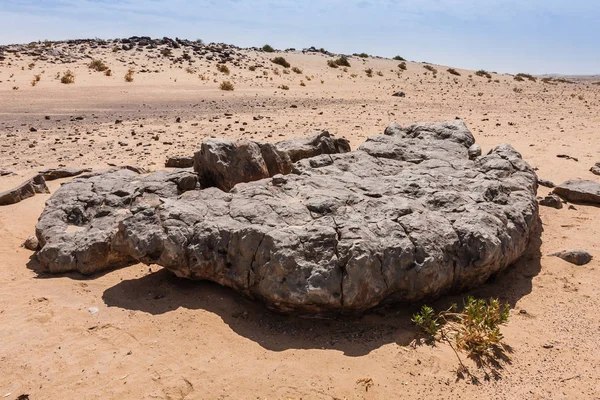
[
  {"x": 27, "y": 189},
  {"x": 406, "y": 217},
  {"x": 579, "y": 191}
]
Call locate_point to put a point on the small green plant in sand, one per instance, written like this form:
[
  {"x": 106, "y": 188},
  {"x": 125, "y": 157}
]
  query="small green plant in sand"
[
  {"x": 475, "y": 330},
  {"x": 67, "y": 77},
  {"x": 98, "y": 65},
  {"x": 226, "y": 85},
  {"x": 281, "y": 61},
  {"x": 268, "y": 49}
]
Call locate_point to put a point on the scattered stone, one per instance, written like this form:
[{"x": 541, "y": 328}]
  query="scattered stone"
[
  {"x": 552, "y": 200},
  {"x": 577, "y": 257},
  {"x": 31, "y": 243},
  {"x": 579, "y": 191},
  {"x": 567, "y": 157},
  {"x": 398, "y": 94},
  {"x": 27, "y": 189},
  {"x": 4, "y": 172},
  {"x": 596, "y": 169},
  {"x": 407, "y": 216},
  {"x": 474, "y": 151},
  {"x": 93, "y": 310},
  {"x": 59, "y": 173},
  {"x": 179, "y": 162},
  {"x": 546, "y": 183},
  {"x": 32, "y": 129}
]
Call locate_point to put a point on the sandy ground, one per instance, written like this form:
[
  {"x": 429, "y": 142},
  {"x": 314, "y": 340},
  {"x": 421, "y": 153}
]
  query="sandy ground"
[{"x": 158, "y": 337}]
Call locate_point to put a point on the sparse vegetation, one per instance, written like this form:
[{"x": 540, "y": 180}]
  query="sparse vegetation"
[
  {"x": 268, "y": 49},
  {"x": 68, "y": 77},
  {"x": 281, "y": 61},
  {"x": 98, "y": 65},
  {"x": 363, "y": 55},
  {"x": 226, "y": 85},
  {"x": 252, "y": 68},
  {"x": 517, "y": 90},
  {"x": 166, "y": 52},
  {"x": 190, "y": 70},
  {"x": 283, "y": 87},
  {"x": 483, "y": 73},
  {"x": 430, "y": 68},
  {"x": 402, "y": 66},
  {"x": 222, "y": 68},
  {"x": 297, "y": 70},
  {"x": 453, "y": 71},
  {"x": 369, "y": 72},
  {"x": 398, "y": 58},
  {"x": 129, "y": 75},
  {"x": 342, "y": 61},
  {"x": 525, "y": 76},
  {"x": 475, "y": 329},
  {"x": 332, "y": 63},
  {"x": 302, "y": 83},
  {"x": 379, "y": 73}
]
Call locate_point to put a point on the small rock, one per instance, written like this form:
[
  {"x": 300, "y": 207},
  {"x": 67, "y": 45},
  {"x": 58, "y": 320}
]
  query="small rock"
[
  {"x": 596, "y": 169},
  {"x": 567, "y": 157},
  {"x": 577, "y": 257},
  {"x": 399, "y": 94},
  {"x": 32, "y": 129},
  {"x": 474, "y": 151},
  {"x": 31, "y": 243},
  {"x": 546, "y": 183},
  {"x": 93, "y": 310},
  {"x": 179, "y": 162},
  {"x": 548, "y": 346},
  {"x": 552, "y": 200},
  {"x": 523, "y": 312}
]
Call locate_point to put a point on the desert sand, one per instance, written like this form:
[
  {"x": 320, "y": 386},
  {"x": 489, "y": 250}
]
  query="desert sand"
[{"x": 155, "y": 336}]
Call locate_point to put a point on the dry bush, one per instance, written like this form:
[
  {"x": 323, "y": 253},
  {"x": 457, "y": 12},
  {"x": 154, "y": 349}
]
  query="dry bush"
[
  {"x": 281, "y": 61},
  {"x": 332, "y": 64},
  {"x": 517, "y": 90},
  {"x": 363, "y": 55},
  {"x": 402, "y": 66},
  {"x": 483, "y": 73},
  {"x": 430, "y": 68},
  {"x": 68, "y": 77},
  {"x": 226, "y": 85},
  {"x": 190, "y": 70},
  {"x": 129, "y": 75},
  {"x": 297, "y": 70},
  {"x": 398, "y": 58},
  {"x": 252, "y": 68},
  {"x": 108, "y": 72},
  {"x": 369, "y": 72},
  {"x": 283, "y": 87},
  {"x": 453, "y": 71},
  {"x": 166, "y": 52},
  {"x": 223, "y": 69},
  {"x": 342, "y": 61},
  {"x": 519, "y": 78},
  {"x": 98, "y": 65},
  {"x": 286, "y": 71},
  {"x": 302, "y": 83},
  {"x": 525, "y": 76}
]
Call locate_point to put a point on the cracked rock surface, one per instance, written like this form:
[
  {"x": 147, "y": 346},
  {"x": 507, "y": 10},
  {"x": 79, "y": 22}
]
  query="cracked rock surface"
[{"x": 406, "y": 217}]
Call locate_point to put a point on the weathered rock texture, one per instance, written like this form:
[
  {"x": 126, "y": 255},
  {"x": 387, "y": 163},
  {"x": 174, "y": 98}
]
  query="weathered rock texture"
[
  {"x": 224, "y": 163},
  {"x": 579, "y": 191},
  {"x": 406, "y": 217},
  {"x": 179, "y": 162},
  {"x": 59, "y": 173},
  {"x": 27, "y": 189},
  {"x": 577, "y": 257}
]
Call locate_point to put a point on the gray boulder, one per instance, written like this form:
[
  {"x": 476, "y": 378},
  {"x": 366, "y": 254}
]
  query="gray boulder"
[
  {"x": 596, "y": 169},
  {"x": 59, "y": 173},
  {"x": 224, "y": 163},
  {"x": 27, "y": 189},
  {"x": 406, "y": 217},
  {"x": 577, "y": 257},
  {"x": 179, "y": 162},
  {"x": 552, "y": 200},
  {"x": 579, "y": 191}
]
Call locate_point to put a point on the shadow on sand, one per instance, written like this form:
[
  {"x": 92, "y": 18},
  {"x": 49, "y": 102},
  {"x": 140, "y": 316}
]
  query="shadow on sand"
[{"x": 161, "y": 292}]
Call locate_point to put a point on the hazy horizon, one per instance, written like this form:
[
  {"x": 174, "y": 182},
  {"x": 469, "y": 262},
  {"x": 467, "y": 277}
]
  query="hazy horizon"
[{"x": 535, "y": 36}]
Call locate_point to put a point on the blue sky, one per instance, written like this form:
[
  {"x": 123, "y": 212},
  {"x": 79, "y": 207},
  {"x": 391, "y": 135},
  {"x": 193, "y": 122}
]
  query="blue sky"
[{"x": 535, "y": 36}]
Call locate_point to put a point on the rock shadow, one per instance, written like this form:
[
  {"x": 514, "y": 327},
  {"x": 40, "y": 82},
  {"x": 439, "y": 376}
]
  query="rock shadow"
[{"x": 161, "y": 292}]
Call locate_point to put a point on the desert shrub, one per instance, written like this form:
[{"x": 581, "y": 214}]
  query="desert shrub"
[
  {"x": 527, "y": 76},
  {"x": 68, "y": 77},
  {"x": 283, "y": 87},
  {"x": 252, "y": 68},
  {"x": 302, "y": 83},
  {"x": 517, "y": 90},
  {"x": 363, "y": 55},
  {"x": 342, "y": 61},
  {"x": 332, "y": 63},
  {"x": 483, "y": 73},
  {"x": 297, "y": 70},
  {"x": 430, "y": 68},
  {"x": 226, "y": 85},
  {"x": 108, "y": 72},
  {"x": 402, "y": 66},
  {"x": 268, "y": 49},
  {"x": 475, "y": 329},
  {"x": 98, "y": 65},
  {"x": 223, "y": 69},
  {"x": 190, "y": 70},
  {"x": 129, "y": 75},
  {"x": 281, "y": 61},
  {"x": 166, "y": 52},
  {"x": 369, "y": 72},
  {"x": 286, "y": 71},
  {"x": 37, "y": 77},
  {"x": 398, "y": 58},
  {"x": 519, "y": 78},
  {"x": 453, "y": 71}
]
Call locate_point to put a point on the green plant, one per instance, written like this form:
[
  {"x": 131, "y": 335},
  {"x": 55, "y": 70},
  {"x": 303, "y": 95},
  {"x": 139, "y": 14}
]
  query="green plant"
[
  {"x": 453, "y": 71},
  {"x": 98, "y": 65},
  {"x": 268, "y": 49},
  {"x": 302, "y": 83},
  {"x": 398, "y": 58},
  {"x": 483, "y": 73},
  {"x": 222, "y": 68},
  {"x": 363, "y": 55},
  {"x": 68, "y": 77},
  {"x": 226, "y": 85},
  {"x": 427, "y": 320},
  {"x": 281, "y": 61}
]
